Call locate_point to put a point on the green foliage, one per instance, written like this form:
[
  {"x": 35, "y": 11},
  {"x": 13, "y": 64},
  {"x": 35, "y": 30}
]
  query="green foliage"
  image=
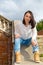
[
  {"x": 39, "y": 25},
  {"x": 41, "y": 55}
]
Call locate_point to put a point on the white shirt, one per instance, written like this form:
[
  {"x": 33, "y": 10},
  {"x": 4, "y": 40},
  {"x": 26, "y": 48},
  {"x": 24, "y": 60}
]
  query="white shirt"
[{"x": 25, "y": 32}]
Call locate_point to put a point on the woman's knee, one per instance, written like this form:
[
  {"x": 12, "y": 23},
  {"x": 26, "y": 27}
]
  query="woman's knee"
[{"x": 17, "y": 40}]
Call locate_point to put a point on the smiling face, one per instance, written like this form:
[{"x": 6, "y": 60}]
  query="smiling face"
[{"x": 27, "y": 18}]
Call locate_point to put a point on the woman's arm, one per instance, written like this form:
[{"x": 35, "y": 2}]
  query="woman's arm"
[
  {"x": 34, "y": 33},
  {"x": 16, "y": 32},
  {"x": 34, "y": 36}
]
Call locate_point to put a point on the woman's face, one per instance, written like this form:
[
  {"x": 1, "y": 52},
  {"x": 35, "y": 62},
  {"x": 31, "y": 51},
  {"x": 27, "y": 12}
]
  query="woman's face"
[{"x": 27, "y": 18}]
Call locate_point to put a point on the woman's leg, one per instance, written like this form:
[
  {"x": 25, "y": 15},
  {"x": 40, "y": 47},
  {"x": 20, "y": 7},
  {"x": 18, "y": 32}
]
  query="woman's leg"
[
  {"x": 26, "y": 42},
  {"x": 35, "y": 46},
  {"x": 35, "y": 51},
  {"x": 17, "y": 42},
  {"x": 17, "y": 45},
  {"x": 20, "y": 41}
]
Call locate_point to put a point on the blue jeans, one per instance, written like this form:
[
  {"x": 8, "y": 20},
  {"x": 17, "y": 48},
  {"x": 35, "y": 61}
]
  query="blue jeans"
[{"x": 27, "y": 42}]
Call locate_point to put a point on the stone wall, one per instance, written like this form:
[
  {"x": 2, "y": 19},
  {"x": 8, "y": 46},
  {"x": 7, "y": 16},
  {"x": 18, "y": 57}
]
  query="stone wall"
[
  {"x": 6, "y": 45},
  {"x": 40, "y": 42}
]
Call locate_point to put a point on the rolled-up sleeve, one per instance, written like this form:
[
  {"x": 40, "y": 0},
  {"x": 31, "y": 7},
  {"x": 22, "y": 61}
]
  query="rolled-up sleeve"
[
  {"x": 34, "y": 33},
  {"x": 16, "y": 29}
]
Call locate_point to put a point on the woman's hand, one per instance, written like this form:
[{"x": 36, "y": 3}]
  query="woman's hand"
[
  {"x": 34, "y": 42},
  {"x": 17, "y": 36}
]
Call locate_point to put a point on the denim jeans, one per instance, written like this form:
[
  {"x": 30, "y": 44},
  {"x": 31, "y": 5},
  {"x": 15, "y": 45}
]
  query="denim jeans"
[{"x": 27, "y": 42}]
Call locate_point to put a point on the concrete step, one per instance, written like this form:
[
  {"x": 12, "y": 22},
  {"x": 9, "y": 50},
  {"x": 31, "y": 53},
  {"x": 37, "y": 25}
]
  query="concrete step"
[
  {"x": 29, "y": 63},
  {"x": 26, "y": 57},
  {"x": 26, "y": 53}
]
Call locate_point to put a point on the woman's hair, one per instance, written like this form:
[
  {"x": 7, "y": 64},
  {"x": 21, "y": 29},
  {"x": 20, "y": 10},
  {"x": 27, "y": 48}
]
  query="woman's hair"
[{"x": 32, "y": 21}]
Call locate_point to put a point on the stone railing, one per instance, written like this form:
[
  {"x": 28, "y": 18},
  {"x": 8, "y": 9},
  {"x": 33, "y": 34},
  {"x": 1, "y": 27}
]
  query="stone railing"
[{"x": 40, "y": 42}]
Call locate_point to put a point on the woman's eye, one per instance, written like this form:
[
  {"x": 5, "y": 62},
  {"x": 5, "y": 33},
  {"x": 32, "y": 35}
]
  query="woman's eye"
[
  {"x": 29, "y": 16},
  {"x": 26, "y": 16}
]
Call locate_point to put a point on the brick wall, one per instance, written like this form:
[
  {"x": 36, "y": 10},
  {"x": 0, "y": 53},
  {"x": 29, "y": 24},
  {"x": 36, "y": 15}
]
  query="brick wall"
[{"x": 5, "y": 49}]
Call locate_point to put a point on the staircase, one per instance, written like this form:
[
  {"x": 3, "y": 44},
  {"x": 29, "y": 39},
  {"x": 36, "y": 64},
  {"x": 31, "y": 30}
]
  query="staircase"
[{"x": 27, "y": 55}]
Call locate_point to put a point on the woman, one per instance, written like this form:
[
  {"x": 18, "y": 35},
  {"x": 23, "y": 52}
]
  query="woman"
[{"x": 25, "y": 34}]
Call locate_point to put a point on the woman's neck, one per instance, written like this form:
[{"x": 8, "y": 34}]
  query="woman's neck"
[{"x": 26, "y": 24}]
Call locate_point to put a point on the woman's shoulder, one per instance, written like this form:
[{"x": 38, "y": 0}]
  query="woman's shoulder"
[{"x": 17, "y": 22}]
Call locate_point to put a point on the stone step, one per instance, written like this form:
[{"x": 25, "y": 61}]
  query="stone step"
[
  {"x": 29, "y": 63},
  {"x": 26, "y": 53},
  {"x": 26, "y": 56}
]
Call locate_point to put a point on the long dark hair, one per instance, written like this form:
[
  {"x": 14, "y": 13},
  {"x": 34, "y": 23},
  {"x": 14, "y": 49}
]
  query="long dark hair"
[{"x": 32, "y": 21}]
